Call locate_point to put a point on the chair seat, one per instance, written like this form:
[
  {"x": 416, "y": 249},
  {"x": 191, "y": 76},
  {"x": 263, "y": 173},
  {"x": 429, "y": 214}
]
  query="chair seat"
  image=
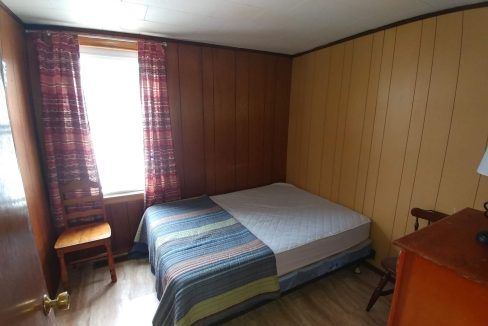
[{"x": 83, "y": 235}]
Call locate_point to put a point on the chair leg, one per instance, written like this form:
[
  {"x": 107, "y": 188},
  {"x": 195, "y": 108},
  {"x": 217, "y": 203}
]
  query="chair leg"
[
  {"x": 64, "y": 271},
  {"x": 110, "y": 258},
  {"x": 379, "y": 290}
]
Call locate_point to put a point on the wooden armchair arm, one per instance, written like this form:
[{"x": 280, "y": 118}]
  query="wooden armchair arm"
[{"x": 429, "y": 215}]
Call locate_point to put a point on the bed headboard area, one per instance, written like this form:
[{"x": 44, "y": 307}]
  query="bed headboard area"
[{"x": 394, "y": 120}]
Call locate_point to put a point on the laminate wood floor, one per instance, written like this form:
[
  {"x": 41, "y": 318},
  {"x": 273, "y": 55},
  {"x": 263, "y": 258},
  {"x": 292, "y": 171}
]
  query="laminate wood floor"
[{"x": 337, "y": 299}]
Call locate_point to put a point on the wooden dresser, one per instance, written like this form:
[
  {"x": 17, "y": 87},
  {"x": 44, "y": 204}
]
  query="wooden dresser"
[{"x": 442, "y": 274}]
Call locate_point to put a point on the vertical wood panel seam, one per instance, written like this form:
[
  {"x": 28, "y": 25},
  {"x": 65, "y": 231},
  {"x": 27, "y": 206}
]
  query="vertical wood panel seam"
[
  {"x": 423, "y": 123},
  {"x": 247, "y": 121},
  {"x": 182, "y": 155},
  {"x": 212, "y": 51},
  {"x": 374, "y": 119},
  {"x": 337, "y": 121},
  {"x": 364, "y": 117},
  {"x": 263, "y": 142},
  {"x": 385, "y": 119},
  {"x": 345, "y": 122},
  {"x": 406, "y": 141},
  {"x": 248, "y": 181},
  {"x": 314, "y": 75},
  {"x": 235, "y": 120},
  {"x": 272, "y": 122},
  {"x": 203, "y": 119},
  {"x": 325, "y": 119},
  {"x": 452, "y": 111}
]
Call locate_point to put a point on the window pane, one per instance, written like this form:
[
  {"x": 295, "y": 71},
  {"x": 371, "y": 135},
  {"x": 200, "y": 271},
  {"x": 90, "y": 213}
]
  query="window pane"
[{"x": 110, "y": 81}]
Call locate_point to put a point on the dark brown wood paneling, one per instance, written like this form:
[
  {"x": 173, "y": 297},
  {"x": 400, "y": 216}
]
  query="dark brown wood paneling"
[
  {"x": 230, "y": 117},
  {"x": 269, "y": 107},
  {"x": 257, "y": 93},
  {"x": 191, "y": 105},
  {"x": 173, "y": 78},
  {"x": 23, "y": 129},
  {"x": 135, "y": 209},
  {"x": 225, "y": 119},
  {"x": 208, "y": 116},
  {"x": 280, "y": 131},
  {"x": 242, "y": 120},
  {"x": 118, "y": 218}
]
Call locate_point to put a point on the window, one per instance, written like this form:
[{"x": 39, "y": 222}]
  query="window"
[{"x": 110, "y": 81}]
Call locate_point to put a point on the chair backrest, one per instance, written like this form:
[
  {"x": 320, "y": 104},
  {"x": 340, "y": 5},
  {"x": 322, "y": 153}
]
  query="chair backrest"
[
  {"x": 430, "y": 215},
  {"x": 82, "y": 203}
]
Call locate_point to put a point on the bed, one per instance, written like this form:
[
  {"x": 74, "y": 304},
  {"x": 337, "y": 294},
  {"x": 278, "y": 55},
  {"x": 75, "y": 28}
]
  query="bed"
[{"x": 215, "y": 256}]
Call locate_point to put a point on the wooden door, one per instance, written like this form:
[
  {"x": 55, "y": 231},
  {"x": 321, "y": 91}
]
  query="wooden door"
[{"x": 22, "y": 284}]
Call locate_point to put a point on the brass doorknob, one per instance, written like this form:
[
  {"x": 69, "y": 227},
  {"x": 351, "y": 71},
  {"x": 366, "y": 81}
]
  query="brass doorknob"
[{"x": 61, "y": 302}]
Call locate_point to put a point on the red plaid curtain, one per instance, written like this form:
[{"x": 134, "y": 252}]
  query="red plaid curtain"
[
  {"x": 161, "y": 179},
  {"x": 66, "y": 134}
]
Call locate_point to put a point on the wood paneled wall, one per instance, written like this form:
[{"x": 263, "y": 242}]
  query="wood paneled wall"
[
  {"x": 394, "y": 120},
  {"x": 14, "y": 55},
  {"x": 229, "y": 111}
]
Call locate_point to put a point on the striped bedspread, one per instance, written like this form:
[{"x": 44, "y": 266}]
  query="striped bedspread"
[{"x": 207, "y": 265}]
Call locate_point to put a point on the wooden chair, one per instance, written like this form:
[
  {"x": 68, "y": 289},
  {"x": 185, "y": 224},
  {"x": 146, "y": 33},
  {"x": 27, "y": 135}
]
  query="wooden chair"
[
  {"x": 389, "y": 264},
  {"x": 85, "y": 227}
]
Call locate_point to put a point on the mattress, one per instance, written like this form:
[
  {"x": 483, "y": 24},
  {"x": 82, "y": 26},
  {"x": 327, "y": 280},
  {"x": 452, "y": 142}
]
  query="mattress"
[{"x": 299, "y": 227}]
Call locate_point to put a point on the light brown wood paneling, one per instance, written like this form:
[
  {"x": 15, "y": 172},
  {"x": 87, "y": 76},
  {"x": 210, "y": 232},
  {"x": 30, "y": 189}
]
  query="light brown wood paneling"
[
  {"x": 468, "y": 132},
  {"x": 403, "y": 122},
  {"x": 369, "y": 119},
  {"x": 331, "y": 114},
  {"x": 438, "y": 114},
  {"x": 320, "y": 84},
  {"x": 402, "y": 87},
  {"x": 341, "y": 119},
  {"x": 379, "y": 120},
  {"x": 417, "y": 117},
  {"x": 355, "y": 114}
]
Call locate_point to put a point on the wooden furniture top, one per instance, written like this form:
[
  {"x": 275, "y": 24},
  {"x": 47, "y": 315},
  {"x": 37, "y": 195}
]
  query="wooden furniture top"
[
  {"x": 451, "y": 242},
  {"x": 83, "y": 234}
]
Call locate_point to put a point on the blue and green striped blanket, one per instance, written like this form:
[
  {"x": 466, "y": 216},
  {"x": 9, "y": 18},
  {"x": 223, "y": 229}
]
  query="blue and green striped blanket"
[{"x": 208, "y": 266}]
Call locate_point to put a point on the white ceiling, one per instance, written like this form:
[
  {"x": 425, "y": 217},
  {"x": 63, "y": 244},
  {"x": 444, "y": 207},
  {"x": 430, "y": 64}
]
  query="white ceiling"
[{"x": 284, "y": 26}]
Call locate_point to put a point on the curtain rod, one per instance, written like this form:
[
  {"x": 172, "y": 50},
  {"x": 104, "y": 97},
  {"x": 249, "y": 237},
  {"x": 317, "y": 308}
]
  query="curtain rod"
[{"x": 99, "y": 36}]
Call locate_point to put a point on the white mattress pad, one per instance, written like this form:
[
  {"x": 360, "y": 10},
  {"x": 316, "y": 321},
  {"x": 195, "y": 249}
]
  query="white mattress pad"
[{"x": 299, "y": 227}]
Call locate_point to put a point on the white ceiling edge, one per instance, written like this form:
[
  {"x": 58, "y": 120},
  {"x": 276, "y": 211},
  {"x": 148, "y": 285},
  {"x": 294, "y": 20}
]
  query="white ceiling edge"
[{"x": 280, "y": 26}]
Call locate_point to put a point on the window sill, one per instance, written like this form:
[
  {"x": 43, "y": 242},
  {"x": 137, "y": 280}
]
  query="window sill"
[{"x": 123, "y": 197}]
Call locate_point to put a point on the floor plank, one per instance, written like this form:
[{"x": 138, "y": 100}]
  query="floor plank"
[{"x": 337, "y": 299}]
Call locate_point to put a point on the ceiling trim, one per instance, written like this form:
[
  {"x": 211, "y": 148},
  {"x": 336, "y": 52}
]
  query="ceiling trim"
[
  {"x": 133, "y": 36},
  {"x": 395, "y": 24}
]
